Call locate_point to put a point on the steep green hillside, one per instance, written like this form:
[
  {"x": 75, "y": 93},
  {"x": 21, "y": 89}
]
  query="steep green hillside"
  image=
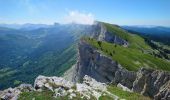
[
  {"x": 130, "y": 58},
  {"x": 41, "y": 51},
  {"x": 123, "y": 94},
  {"x": 50, "y": 64},
  {"x": 23, "y": 53},
  {"x": 156, "y": 33}
]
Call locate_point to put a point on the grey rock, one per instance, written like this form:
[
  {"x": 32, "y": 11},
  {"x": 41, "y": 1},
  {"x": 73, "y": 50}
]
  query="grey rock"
[
  {"x": 62, "y": 87},
  {"x": 51, "y": 83},
  {"x": 70, "y": 74},
  {"x": 164, "y": 92},
  {"x": 149, "y": 82},
  {"x": 60, "y": 92},
  {"x": 13, "y": 93}
]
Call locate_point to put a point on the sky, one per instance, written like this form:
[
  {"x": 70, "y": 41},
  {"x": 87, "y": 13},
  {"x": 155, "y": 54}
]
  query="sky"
[{"x": 121, "y": 12}]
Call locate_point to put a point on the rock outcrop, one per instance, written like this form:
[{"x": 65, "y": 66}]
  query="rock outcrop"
[
  {"x": 42, "y": 82},
  {"x": 164, "y": 92},
  {"x": 93, "y": 63},
  {"x": 13, "y": 93},
  {"x": 88, "y": 89},
  {"x": 152, "y": 83}
]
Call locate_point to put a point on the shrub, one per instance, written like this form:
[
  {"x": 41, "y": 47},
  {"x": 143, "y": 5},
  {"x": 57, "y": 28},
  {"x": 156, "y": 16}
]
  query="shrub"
[
  {"x": 111, "y": 54},
  {"x": 106, "y": 51},
  {"x": 99, "y": 43}
]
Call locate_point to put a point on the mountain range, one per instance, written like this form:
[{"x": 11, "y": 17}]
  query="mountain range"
[{"x": 156, "y": 33}]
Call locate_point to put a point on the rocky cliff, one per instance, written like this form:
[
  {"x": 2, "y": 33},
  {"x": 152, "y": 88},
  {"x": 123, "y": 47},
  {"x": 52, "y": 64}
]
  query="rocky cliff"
[
  {"x": 153, "y": 83},
  {"x": 149, "y": 82},
  {"x": 101, "y": 33}
]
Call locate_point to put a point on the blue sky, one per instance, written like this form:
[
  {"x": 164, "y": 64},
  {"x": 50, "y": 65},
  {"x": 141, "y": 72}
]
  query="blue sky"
[{"x": 122, "y": 12}]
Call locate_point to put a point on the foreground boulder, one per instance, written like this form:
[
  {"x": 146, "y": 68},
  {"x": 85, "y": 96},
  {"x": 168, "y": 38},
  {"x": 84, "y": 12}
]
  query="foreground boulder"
[
  {"x": 13, "y": 93},
  {"x": 90, "y": 88},
  {"x": 51, "y": 83}
]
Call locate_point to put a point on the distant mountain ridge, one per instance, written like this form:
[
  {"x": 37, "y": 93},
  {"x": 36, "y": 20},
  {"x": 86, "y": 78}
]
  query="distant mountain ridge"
[
  {"x": 156, "y": 33},
  {"x": 27, "y": 26}
]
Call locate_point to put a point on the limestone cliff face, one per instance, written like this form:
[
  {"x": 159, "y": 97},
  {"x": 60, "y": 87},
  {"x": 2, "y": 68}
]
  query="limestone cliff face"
[
  {"x": 100, "y": 67},
  {"x": 152, "y": 83},
  {"x": 100, "y": 32},
  {"x": 93, "y": 63}
]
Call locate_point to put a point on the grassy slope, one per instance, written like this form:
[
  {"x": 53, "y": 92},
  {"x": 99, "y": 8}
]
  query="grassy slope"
[
  {"x": 48, "y": 95},
  {"x": 45, "y": 95},
  {"x": 123, "y": 94},
  {"x": 131, "y": 59}
]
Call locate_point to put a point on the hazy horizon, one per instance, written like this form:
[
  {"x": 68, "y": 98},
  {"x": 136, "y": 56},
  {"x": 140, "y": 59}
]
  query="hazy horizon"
[
  {"x": 120, "y": 12},
  {"x": 20, "y": 24}
]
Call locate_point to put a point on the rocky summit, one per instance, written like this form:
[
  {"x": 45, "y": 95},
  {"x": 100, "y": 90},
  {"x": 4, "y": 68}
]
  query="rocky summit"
[{"x": 89, "y": 89}]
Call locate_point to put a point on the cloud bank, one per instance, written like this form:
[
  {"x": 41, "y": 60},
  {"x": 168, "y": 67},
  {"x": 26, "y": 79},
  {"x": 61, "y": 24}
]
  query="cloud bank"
[{"x": 79, "y": 18}]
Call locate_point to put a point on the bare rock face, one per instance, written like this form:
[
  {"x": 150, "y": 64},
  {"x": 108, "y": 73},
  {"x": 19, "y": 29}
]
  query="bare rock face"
[
  {"x": 100, "y": 67},
  {"x": 13, "y": 93},
  {"x": 71, "y": 74},
  {"x": 148, "y": 82},
  {"x": 152, "y": 82},
  {"x": 94, "y": 84},
  {"x": 100, "y": 33},
  {"x": 164, "y": 92}
]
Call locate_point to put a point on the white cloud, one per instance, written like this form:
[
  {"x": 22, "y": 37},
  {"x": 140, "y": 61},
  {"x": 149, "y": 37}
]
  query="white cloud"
[{"x": 78, "y": 18}]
